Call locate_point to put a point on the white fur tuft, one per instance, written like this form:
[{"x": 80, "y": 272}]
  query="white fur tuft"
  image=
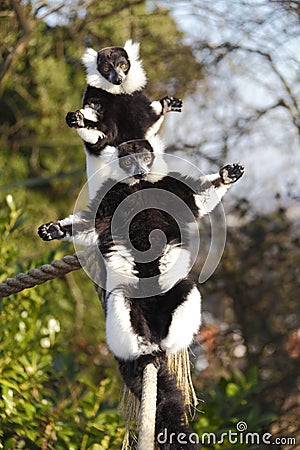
[
  {"x": 136, "y": 77},
  {"x": 132, "y": 49},
  {"x": 159, "y": 167},
  {"x": 157, "y": 143},
  {"x": 174, "y": 265},
  {"x": 89, "y": 60}
]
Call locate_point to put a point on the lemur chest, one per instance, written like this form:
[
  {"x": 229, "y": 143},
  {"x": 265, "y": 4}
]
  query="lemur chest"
[{"x": 132, "y": 113}]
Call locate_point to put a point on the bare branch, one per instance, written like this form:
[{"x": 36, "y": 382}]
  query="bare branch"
[
  {"x": 51, "y": 11},
  {"x": 27, "y": 26},
  {"x": 24, "y": 22},
  {"x": 293, "y": 108}
]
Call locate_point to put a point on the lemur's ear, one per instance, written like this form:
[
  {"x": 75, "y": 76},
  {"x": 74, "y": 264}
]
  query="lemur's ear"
[
  {"x": 132, "y": 49},
  {"x": 89, "y": 58}
]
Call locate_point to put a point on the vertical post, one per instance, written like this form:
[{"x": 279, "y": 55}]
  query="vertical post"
[{"x": 148, "y": 409}]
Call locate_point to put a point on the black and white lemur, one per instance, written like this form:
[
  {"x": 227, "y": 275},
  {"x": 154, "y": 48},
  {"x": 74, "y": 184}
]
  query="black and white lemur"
[
  {"x": 114, "y": 108},
  {"x": 140, "y": 330}
]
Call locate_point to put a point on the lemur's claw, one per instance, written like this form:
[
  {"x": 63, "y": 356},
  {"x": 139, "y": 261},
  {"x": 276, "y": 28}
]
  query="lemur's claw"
[
  {"x": 231, "y": 173},
  {"x": 50, "y": 231},
  {"x": 75, "y": 119},
  {"x": 171, "y": 104}
]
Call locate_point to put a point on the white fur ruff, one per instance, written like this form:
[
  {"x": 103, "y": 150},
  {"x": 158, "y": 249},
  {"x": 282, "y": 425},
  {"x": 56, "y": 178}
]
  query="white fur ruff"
[
  {"x": 121, "y": 338},
  {"x": 134, "y": 81},
  {"x": 185, "y": 324}
]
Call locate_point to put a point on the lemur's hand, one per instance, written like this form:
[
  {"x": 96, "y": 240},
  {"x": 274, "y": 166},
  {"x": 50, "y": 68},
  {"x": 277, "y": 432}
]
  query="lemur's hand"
[
  {"x": 171, "y": 104},
  {"x": 231, "y": 173},
  {"x": 50, "y": 231},
  {"x": 98, "y": 108},
  {"x": 75, "y": 119}
]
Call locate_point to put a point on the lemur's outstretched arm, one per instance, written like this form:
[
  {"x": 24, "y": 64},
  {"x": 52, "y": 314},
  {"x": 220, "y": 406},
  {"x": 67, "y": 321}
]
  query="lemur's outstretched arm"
[
  {"x": 213, "y": 187},
  {"x": 80, "y": 227},
  {"x": 89, "y": 124},
  {"x": 77, "y": 228}
]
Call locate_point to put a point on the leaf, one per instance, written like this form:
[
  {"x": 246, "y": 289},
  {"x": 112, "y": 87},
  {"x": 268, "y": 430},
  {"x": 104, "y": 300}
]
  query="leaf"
[
  {"x": 10, "y": 385},
  {"x": 232, "y": 389}
]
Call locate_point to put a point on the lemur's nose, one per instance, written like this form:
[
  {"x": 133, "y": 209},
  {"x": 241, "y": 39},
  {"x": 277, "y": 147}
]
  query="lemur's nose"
[
  {"x": 139, "y": 176},
  {"x": 117, "y": 80}
]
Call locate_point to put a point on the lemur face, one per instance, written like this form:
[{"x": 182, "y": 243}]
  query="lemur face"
[
  {"x": 136, "y": 158},
  {"x": 113, "y": 64}
]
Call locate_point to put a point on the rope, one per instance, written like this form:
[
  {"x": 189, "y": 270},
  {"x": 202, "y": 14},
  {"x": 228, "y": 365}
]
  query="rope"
[
  {"x": 40, "y": 275},
  {"x": 148, "y": 409}
]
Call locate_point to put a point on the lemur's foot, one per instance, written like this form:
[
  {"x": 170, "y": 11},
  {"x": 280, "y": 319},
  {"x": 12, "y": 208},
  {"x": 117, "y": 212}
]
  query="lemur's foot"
[
  {"x": 75, "y": 119},
  {"x": 156, "y": 359},
  {"x": 231, "y": 173},
  {"x": 171, "y": 104},
  {"x": 50, "y": 231}
]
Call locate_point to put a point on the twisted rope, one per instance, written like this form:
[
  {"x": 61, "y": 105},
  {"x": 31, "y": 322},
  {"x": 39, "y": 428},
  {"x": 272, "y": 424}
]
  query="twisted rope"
[
  {"x": 148, "y": 409},
  {"x": 40, "y": 275}
]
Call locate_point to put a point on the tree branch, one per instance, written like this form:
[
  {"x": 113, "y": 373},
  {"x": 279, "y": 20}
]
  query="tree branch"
[{"x": 27, "y": 26}]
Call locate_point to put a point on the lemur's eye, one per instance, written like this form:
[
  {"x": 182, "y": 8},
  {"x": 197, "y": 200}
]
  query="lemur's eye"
[
  {"x": 123, "y": 66},
  {"x": 127, "y": 162},
  {"x": 147, "y": 158},
  {"x": 105, "y": 69}
]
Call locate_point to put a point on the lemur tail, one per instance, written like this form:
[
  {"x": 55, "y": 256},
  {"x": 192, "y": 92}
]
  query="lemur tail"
[{"x": 171, "y": 431}]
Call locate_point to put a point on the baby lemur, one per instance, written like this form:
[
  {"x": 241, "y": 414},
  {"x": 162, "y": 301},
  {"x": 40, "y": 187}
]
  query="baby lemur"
[{"x": 114, "y": 107}]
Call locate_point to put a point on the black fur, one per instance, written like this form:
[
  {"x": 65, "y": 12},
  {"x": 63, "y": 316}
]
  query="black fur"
[
  {"x": 145, "y": 221},
  {"x": 144, "y": 318},
  {"x": 122, "y": 117}
]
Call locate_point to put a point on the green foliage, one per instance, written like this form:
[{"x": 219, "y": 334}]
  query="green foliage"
[
  {"x": 231, "y": 401},
  {"x": 45, "y": 401}
]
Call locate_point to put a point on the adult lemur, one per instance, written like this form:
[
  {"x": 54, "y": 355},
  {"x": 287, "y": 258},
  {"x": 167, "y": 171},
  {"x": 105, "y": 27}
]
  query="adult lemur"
[
  {"x": 114, "y": 108},
  {"x": 140, "y": 330}
]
